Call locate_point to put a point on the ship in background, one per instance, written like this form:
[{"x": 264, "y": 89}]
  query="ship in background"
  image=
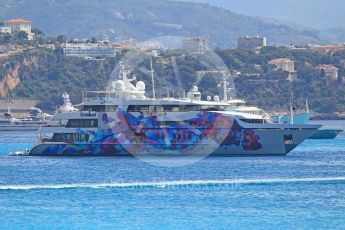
[
  {"x": 293, "y": 117},
  {"x": 325, "y": 132},
  {"x": 31, "y": 122}
]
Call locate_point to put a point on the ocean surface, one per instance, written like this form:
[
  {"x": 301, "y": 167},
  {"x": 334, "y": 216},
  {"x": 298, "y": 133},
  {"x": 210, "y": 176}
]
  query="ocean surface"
[{"x": 304, "y": 190}]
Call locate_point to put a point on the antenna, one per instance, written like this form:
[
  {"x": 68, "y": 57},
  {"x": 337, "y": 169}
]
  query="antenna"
[
  {"x": 225, "y": 89},
  {"x": 123, "y": 72},
  {"x": 152, "y": 79},
  {"x": 291, "y": 111},
  {"x": 306, "y": 105},
  {"x": 177, "y": 75}
]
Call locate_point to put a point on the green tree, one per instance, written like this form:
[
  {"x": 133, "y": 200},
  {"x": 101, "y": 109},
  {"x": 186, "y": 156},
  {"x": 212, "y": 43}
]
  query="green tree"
[
  {"x": 61, "y": 39},
  {"x": 37, "y": 32},
  {"x": 6, "y": 39},
  {"x": 93, "y": 40},
  {"x": 22, "y": 35}
]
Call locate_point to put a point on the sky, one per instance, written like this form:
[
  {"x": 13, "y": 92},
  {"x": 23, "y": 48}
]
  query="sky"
[{"x": 318, "y": 14}]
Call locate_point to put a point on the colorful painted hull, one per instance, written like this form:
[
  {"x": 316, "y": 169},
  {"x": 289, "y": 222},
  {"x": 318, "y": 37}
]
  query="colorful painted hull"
[
  {"x": 270, "y": 145},
  {"x": 206, "y": 133}
]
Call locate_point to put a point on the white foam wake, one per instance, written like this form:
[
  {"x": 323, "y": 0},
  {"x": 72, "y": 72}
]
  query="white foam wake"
[{"x": 173, "y": 183}]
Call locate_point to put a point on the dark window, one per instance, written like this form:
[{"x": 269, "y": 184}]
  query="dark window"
[
  {"x": 212, "y": 108},
  {"x": 69, "y": 137},
  {"x": 164, "y": 123},
  {"x": 173, "y": 108},
  {"x": 82, "y": 123},
  {"x": 254, "y": 121},
  {"x": 138, "y": 108},
  {"x": 133, "y": 108},
  {"x": 100, "y": 108},
  {"x": 288, "y": 139}
]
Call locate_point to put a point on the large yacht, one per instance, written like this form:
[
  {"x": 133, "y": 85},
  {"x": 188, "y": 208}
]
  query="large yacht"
[{"x": 122, "y": 120}]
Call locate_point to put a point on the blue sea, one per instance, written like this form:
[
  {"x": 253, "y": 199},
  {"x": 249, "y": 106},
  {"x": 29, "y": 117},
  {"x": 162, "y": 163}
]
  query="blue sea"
[{"x": 304, "y": 190}]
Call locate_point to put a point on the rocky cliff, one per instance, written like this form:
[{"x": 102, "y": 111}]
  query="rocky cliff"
[{"x": 11, "y": 71}]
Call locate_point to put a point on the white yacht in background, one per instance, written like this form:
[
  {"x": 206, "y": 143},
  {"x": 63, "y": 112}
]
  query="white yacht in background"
[
  {"x": 34, "y": 121},
  {"x": 241, "y": 107},
  {"x": 122, "y": 120}
]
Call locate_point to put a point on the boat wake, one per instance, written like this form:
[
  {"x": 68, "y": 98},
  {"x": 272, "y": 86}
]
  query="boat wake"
[{"x": 183, "y": 183}]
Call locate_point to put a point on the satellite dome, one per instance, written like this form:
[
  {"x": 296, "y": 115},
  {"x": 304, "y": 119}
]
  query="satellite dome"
[
  {"x": 216, "y": 98},
  {"x": 65, "y": 95},
  {"x": 140, "y": 86},
  {"x": 119, "y": 85}
]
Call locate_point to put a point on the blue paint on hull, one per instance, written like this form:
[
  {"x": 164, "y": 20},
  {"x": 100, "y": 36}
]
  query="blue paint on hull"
[{"x": 126, "y": 134}]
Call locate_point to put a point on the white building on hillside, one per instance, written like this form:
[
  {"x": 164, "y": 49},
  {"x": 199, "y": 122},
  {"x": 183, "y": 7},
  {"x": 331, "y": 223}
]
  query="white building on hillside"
[
  {"x": 195, "y": 44},
  {"x": 287, "y": 65},
  {"x": 330, "y": 71},
  {"x": 5, "y": 30},
  {"x": 251, "y": 43},
  {"x": 88, "y": 50},
  {"x": 284, "y": 64},
  {"x": 19, "y": 24}
]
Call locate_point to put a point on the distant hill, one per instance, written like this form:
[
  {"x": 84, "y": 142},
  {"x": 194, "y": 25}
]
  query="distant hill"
[
  {"x": 145, "y": 19},
  {"x": 317, "y": 14},
  {"x": 334, "y": 35}
]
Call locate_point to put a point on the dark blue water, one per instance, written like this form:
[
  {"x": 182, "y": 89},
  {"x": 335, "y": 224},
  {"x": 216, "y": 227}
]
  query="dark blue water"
[{"x": 303, "y": 190}]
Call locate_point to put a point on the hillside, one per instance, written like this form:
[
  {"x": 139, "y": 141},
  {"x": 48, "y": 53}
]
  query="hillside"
[
  {"x": 45, "y": 75},
  {"x": 334, "y": 35},
  {"x": 145, "y": 19}
]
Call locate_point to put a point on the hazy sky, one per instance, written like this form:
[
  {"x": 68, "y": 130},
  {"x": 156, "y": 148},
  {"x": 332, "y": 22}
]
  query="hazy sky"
[{"x": 320, "y": 14}]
